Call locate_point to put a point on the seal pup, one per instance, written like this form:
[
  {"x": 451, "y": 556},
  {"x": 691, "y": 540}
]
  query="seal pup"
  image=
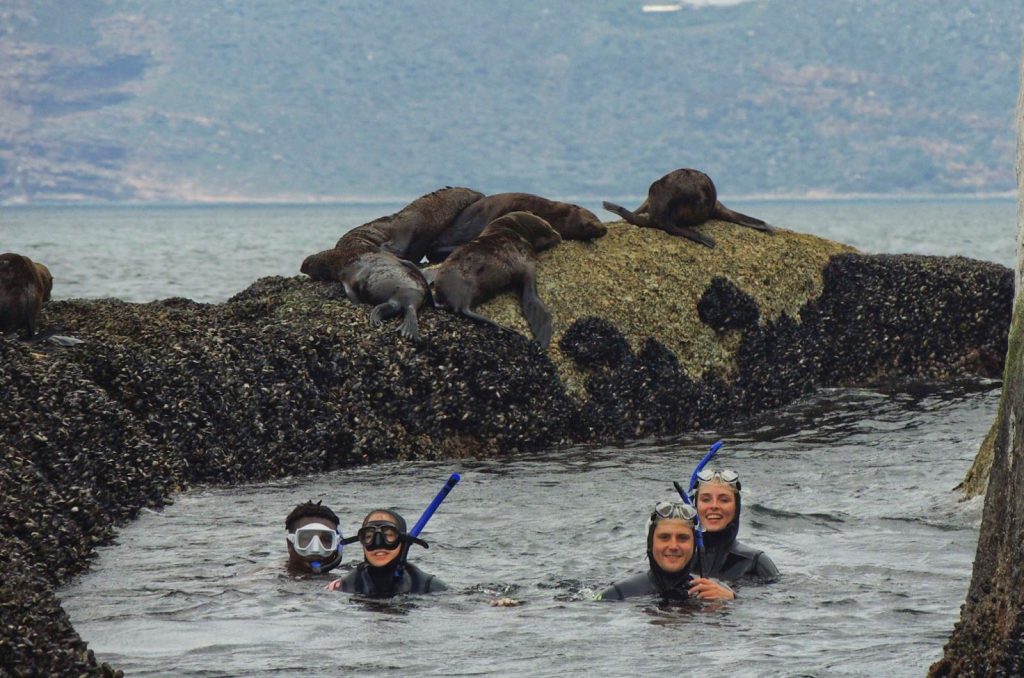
[
  {"x": 24, "y": 286},
  {"x": 571, "y": 221},
  {"x": 503, "y": 256},
  {"x": 409, "y": 232},
  {"x": 371, "y": 276},
  {"x": 680, "y": 200}
]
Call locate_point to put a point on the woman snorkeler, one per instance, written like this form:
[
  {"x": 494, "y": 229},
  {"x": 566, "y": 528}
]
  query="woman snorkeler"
[
  {"x": 718, "y": 501},
  {"x": 384, "y": 571}
]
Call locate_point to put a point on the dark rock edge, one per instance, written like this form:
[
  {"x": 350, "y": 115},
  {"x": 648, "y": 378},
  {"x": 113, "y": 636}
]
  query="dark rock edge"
[{"x": 287, "y": 378}]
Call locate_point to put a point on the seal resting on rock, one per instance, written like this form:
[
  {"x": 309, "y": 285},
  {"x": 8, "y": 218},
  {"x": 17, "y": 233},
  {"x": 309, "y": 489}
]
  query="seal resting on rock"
[
  {"x": 409, "y": 232},
  {"x": 680, "y": 200},
  {"x": 503, "y": 256},
  {"x": 24, "y": 286},
  {"x": 571, "y": 221},
  {"x": 370, "y": 276}
]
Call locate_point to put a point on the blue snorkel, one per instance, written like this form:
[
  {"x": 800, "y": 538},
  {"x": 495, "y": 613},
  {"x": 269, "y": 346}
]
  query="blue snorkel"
[
  {"x": 449, "y": 484},
  {"x": 687, "y": 497},
  {"x": 452, "y": 481}
]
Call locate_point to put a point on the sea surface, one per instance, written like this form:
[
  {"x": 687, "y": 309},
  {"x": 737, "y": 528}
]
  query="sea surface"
[{"x": 850, "y": 491}]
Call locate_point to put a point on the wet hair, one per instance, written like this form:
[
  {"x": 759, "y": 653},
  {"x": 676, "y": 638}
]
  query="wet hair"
[
  {"x": 396, "y": 518},
  {"x": 310, "y": 510}
]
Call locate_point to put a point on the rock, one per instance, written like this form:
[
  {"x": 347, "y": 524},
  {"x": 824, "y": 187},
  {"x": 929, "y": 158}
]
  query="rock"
[{"x": 287, "y": 377}]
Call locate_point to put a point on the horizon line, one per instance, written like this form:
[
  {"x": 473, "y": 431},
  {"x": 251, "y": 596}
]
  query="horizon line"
[{"x": 326, "y": 201}]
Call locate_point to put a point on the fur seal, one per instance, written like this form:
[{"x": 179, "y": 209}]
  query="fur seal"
[
  {"x": 24, "y": 286},
  {"x": 409, "y": 232},
  {"x": 680, "y": 200},
  {"x": 501, "y": 257},
  {"x": 371, "y": 276},
  {"x": 571, "y": 221}
]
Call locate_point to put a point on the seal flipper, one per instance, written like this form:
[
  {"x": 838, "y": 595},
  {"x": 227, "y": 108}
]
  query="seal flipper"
[
  {"x": 693, "y": 234},
  {"x": 382, "y": 312},
  {"x": 535, "y": 312},
  {"x": 725, "y": 214},
  {"x": 410, "y": 327},
  {"x": 631, "y": 217}
]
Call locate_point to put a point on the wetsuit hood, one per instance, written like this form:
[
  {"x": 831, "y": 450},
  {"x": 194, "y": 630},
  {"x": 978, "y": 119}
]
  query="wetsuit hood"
[
  {"x": 674, "y": 585},
  {"x": 387, "y": 578},
  {"x": 717, "y": 544}
]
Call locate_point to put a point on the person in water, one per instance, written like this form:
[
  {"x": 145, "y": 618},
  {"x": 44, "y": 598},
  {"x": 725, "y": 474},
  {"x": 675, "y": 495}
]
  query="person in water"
[
  {"x": 384, "y": 571},
  {"x": 717, "y": 498},
  {"x": 314, "y": 542},
  {"x": 671, "y": 541}
]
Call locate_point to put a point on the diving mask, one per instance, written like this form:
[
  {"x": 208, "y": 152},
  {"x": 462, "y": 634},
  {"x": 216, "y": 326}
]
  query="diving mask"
[
  {"x": 380, "y": 534},
  {"x": 315, "y": 539},
  {"x": 727, "y": 476},
  {"x": 674, "y": 509}
]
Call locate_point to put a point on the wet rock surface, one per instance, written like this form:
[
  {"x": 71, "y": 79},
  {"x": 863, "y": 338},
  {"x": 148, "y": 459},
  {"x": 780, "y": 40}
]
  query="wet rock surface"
[
  {"x": 989, "y": 638},
  {"x": 288, "y": 377}
]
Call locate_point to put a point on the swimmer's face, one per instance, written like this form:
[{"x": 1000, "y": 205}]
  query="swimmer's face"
[
  {"x": 672, "y": 544},
  {"x": 297, "y": 560},
  {"x": 716, "y": 505},
  {"x": 379, "y": 557}
]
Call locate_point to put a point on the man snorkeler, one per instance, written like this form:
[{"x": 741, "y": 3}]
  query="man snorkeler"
[{"x": 314, "y": 541}]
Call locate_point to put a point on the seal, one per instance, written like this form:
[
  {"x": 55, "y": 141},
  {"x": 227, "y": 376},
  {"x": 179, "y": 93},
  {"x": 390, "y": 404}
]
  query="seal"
[
  {"x": 571, "y": 221},
  {"x": 409, "y": 232},
  {"x": 370, "y": 276},
  {"x": 680, "y": 200},
  {"x": 24, "y": 286},
  {"x": 503, "y": 256}
]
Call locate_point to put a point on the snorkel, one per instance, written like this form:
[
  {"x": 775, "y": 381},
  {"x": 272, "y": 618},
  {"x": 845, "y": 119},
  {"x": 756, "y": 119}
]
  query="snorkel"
[
  {"x": 687, "y": 498},
  {"x": 449, "y": 484}
]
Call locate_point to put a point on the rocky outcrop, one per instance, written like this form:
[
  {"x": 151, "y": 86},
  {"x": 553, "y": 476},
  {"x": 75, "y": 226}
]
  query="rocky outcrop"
[
  {"x": 989, "y": 638},
  {"x": 653, "y": 336}
]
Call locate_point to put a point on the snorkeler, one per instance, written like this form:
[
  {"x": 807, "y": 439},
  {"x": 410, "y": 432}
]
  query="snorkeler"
[
  {"x": 670, "y": 548},
  {"x": 384, "y": 571},
  {"x": 314, "y": 542},
  {"x": 717, "y": 498}
]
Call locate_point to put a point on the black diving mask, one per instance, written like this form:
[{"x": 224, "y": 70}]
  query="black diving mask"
[{"x": 380, "y": 534}]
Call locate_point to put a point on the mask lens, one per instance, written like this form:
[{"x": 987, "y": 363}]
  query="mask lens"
[
  {"x": 315, "y": 539},
  {"x": 670, "y": 509},
  {"x": 380, "y": 536},
  {"x": 727, "y": 476}
]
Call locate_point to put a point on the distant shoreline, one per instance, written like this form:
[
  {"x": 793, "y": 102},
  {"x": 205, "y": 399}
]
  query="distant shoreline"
[{"x": 628, "y": 199}]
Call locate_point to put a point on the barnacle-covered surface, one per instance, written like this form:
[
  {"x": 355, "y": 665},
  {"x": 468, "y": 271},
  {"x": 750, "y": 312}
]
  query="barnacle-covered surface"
[
  {"x": 289, "y": 377},
  {"x": 647, "y": 283}
]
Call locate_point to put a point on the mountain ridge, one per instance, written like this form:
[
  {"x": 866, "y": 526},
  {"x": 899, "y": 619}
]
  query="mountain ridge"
[{"x": 198, "y": 102}]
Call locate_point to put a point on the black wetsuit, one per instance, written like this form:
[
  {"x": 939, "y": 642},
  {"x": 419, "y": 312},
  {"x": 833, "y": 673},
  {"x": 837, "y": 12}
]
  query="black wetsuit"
[
  {"x": 727, "y": 559},
  {"x": 649, "y": 583},
  {"x": 381, "y": 582}
]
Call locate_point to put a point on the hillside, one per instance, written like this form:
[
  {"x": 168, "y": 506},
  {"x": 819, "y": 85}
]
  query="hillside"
[{"x": 191, "y": 100}]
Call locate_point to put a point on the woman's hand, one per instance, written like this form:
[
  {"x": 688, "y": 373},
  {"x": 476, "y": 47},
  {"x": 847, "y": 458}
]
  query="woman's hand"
[
  {"x": 709, "y": 589},
  {"x": 334, "y": 585}
]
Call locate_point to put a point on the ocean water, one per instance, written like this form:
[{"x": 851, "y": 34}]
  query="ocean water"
[
  {"x": 850, "y": 491},
  {"x": 209, "y": 253}
]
